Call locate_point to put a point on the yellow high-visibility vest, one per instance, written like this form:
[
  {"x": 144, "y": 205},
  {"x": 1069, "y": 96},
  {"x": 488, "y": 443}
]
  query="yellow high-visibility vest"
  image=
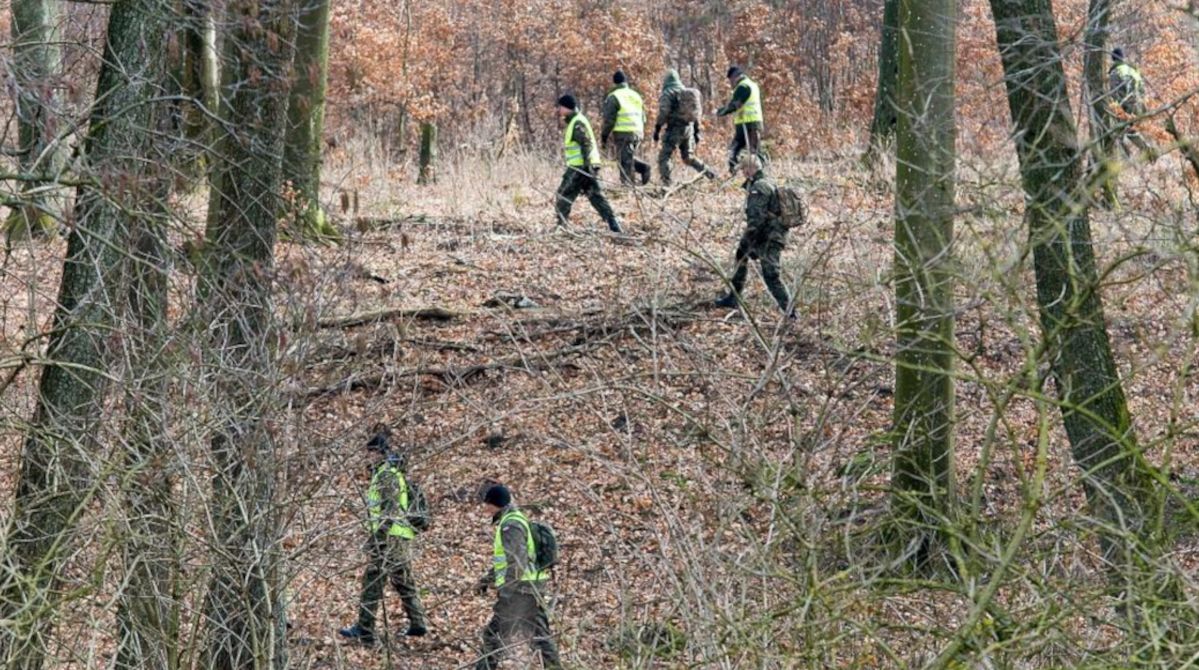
[
  {"x": 573, "y": 151},
  {"x": 499, "y": 559},
  {"x": 751, "y": 111},
  {"x": 374, "y": 503},
  {"x": 631, "y": 117}
]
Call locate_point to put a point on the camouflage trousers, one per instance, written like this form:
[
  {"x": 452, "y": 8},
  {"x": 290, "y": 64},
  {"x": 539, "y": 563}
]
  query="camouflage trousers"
[
  {"x": 680, "y": 138},
  {"x": 768, "y": 256},
  {"x": 575, "y": 182},
  {"x": 745, "y": 136},
  {"x": 519, "y": 609},
  {"x": 626, "y": 155},
  {"x": 389, "y": 558}
]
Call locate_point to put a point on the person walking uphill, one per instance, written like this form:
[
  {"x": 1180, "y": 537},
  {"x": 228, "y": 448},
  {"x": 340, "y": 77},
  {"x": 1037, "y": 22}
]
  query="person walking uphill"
[
  {"x": 1126, "y": 86},
  {"x": 624, "y": 123},
  {"x": 764, "y": 238},
  {"x": 520, "y": 585},
  {"x": 582, "y": 166},
  {"x": 679, "y": 111},
  {"x": 391, "y": 507},
  {"x": 746, "y": 108}
]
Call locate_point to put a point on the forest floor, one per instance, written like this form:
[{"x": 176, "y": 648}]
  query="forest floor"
[{"x": 715, "y": 476}]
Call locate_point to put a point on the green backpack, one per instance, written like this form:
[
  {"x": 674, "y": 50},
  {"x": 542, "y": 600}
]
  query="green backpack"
[
  {"x": 546, "y": 544},
  {"x": 418, "y": 508},
  {"x": 789, "y": 207}
]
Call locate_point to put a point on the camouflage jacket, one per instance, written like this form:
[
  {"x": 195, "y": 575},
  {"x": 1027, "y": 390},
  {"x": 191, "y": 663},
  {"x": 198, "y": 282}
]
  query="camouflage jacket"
[{"x": 762, "y": 228}]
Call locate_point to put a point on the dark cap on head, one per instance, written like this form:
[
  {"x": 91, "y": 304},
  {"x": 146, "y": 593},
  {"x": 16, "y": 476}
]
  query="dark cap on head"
[
  {"x": 381, "y": 440},
  {"x": 1118, "y": 54},
  {"x": 619, "y": 77},
  {"x": 498, "y": 495},
  {"x": 734, "y": 72},
  {"x": 568, "y": 101}
]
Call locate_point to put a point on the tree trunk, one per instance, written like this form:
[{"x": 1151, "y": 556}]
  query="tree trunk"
[
  {"x": 56, "y": 478},
  {"x": 886, "y": 117},
  {"x": 1103, "y": 149},
  {"x": 36, "y": 62},
  {"x": 924, "y": 398},
  {"x": 428, "y": 153},
  {"x": 306, "y": 120},
  {"x": 1116, "y": 479},
  {"x": 244, "y": 607},
  {"x": 196, "y": 85},
  {"x": 148, "y": 611}
]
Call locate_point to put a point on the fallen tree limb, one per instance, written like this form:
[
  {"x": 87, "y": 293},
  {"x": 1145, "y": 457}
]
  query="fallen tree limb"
[
  {"x": 453, "y": 375},
  {"x": 424, "y": 313}
]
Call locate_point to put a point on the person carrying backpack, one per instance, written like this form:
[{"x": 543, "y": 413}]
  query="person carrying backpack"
[
  {"x": 679, "y": 111},
  {"x": 748, "y": 119},
  {"x": 765, "y": 236},
  {"x": 519, "y": 581},
  {"x": 396, "y": 511},
  {"x": 624, "y": 124}
]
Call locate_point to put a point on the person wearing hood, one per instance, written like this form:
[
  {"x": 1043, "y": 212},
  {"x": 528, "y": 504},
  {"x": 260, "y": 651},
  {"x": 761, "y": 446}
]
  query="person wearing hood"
[
  {"x": 679, "y": 111},
  {"x": 624, "y": 123},
  {"x": 748, "y": 119},
  {"x": 582, "y": 157}
]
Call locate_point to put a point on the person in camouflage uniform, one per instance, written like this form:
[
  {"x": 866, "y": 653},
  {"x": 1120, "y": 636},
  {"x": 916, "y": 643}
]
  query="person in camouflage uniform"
[
  {"x": 520, "y": 604},
  {"x": 582, "y": 166},
  {"x": 764, "y": 238},
  {"x": 748, "y": 119},
  {"x": 388, "y": 548},
  {"x": 1127, "y": 87},
  {"x": 680, "y": 135},
  {"x": 624, "y": 124}
]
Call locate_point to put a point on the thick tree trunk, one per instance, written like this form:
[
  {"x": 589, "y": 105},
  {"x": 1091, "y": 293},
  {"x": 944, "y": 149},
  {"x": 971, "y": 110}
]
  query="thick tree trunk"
[
  {"x": 306, "y": 120},
  {"x": 244, "y": 607},
  {"x": 923, "y": 432},
  {"x": 886, "y": 117},
  {"x": 56, "y": 479},
  {"x": 1117, "y": 482},
  {"x": 36, "y": 63},
  {"x": 1103, "y": 142}
]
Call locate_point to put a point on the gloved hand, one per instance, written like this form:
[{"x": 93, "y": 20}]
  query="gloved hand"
[
  {"x": 657, "y": 133},
  {"x": 483, "y": 585}
]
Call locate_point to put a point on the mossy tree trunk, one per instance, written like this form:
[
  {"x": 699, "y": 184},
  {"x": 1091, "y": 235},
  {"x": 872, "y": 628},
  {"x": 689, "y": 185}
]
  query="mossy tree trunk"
[
  {"x": 306, "y": 120},
  {"x": 922, "y": 482},
  {"x": 428, "y": 153},
  {"x": 57, "y": 479},
  {"x": 244, "y": 609},
  {"x": 1117, "y": 481},
  {"x": 36, "y": 65},
  {"x": 886, "y": 117}
]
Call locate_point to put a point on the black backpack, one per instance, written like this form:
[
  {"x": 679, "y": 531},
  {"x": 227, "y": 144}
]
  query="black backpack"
[
  {"x": 546, "y": 544},
  {"x": 418, "y": 508}
]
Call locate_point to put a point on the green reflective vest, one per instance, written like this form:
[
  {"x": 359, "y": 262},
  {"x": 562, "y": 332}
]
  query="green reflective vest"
[
  {"x": 751, "y": 111},
  {"x": 374, "y": 503},
  {"x": 573, "y": 151},
  {"x": 499, "y": 559},
  {"x": 631, "y": 117}
]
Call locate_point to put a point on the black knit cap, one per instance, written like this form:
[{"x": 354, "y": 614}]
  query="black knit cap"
[
  {"x": 1118, "y": 54},
  {"x": 734, "y": 71},
  {"x": 498, "y": 495},
  {"x": 568, "y": 101},
  {"x": 619, "y": 77},
  {"x": 381, "y": 441}
]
